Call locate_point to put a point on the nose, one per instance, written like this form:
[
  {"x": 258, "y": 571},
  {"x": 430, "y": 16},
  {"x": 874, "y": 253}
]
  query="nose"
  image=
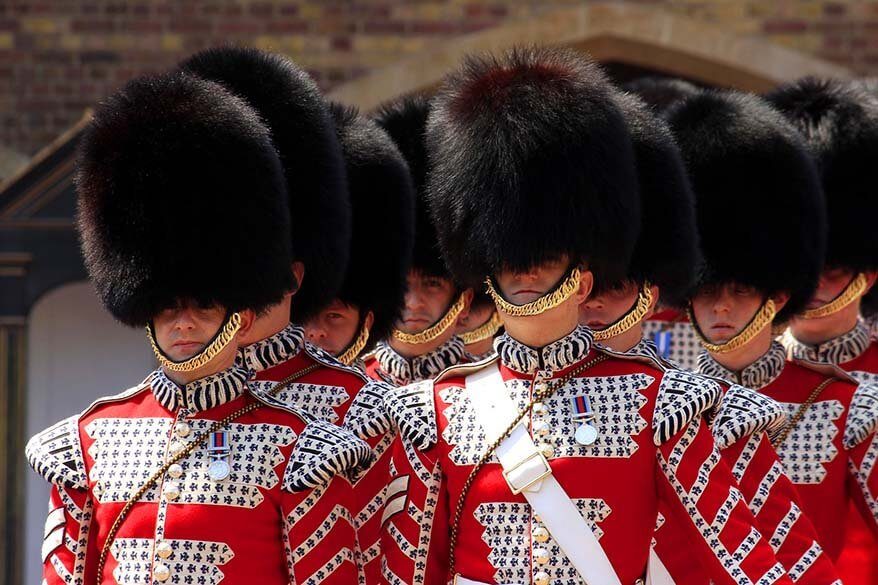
[
  {"x": 413, "y": 300},
  {"x": 314, "y": 332},
  {"x": 723, "y": 302},
  {"x": 184, "y": 320},
  {"x": 594, "y": 304}
]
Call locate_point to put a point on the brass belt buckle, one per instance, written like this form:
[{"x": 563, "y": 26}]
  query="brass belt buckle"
[{"x": 543, "y": 475}]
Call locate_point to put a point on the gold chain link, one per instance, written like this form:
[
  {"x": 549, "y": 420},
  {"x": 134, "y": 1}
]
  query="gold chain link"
[
  {"x": 538, "y": 395},
  {"x": 631, "y": 318},
  {"x": 434, "y": 331},
  {"x": 548, "y": 301},
  {"x": 484, "y": 331},
  {"x": 350, "y": 354},
  {"x": 851, "y": 292},
  {"x": 199, "y": 440},
  {"x": 200, "y": 360},
  {"x": 760, "y": 321}
]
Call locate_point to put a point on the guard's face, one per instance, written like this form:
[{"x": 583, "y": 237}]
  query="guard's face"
[
  {"x": 607, "y": 307},
  {"x": 476, "y": 317},
  {"x": 832, "y": 283},
  {"x": 334, "y": 328},
  {"x": 185, "y": 330},
  {"x": 427, "y": 298},
  {"x": 522, "y": 287},
  {"x": 723, "y": 311}
]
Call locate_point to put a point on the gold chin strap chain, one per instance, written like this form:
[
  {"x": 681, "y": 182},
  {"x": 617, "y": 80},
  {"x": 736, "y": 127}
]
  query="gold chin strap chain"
[
  {"x": 538, "y": 396},
  {"x": 778, "y": 440},
  {"x": 199, "y": 440},
  {"x": 486, "y": 330},
  {"x": 548, "y": 301},
  {"x": 631, "y": 318},
  {"x": 760, "y": 321},
  {"x": 434, "y": 331},
  {"x": 348, "y": 356},
  {"x": 851, "y": 292},
  {"x": 219, "y": 343}
]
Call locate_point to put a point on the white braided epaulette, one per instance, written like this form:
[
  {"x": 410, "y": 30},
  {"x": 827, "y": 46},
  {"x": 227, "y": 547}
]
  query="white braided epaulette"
[
  {"x": 862, "y": 418},
  {"x": 682, "y": 397},
  {"x": 323, "y": 451},
  {"x": 744, "y": 412}
]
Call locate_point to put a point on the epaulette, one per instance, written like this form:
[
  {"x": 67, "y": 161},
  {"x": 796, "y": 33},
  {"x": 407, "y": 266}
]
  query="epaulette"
[
  {"x": 744, "y": 412},
  {"x": 862, "y": 418},
  {"x": 682, "y": 397},
  {"x": 413, "y": 412},
  {"x": 56, "y": 454},
  {"x": 367, "y": 415},
  {"x": 329, "y": 360},
  {"x": 323, "y": 451},
  {"x": 830, "y": 370}
]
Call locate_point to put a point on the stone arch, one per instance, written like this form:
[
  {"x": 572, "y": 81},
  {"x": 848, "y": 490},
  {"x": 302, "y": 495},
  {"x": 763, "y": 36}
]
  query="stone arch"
[{"x": 640, "y": 36}]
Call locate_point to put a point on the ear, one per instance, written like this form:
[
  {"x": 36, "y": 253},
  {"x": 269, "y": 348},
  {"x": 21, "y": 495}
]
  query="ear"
[
  {"x": 586, "y": 285},
  {"x": 780, "y": 300},
  {"x": 467, "y": 302},
  {"x": 298, "y": 269},
  {"x": 369, "y": 320},
  {"x": 656, "y": 292},
  {"x": 248, "y": 318}
]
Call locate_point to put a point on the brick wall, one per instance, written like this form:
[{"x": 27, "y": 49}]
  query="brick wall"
[{"x": 58, "y": 57}]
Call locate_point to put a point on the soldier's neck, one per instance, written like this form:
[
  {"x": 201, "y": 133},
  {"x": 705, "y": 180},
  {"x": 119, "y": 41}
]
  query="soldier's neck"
[
  {"x": 625, "y": 342},
  {"x": 817, "y": 331},
  {"x": 269, "y": 323},
  {"x": 540, "y": 330},
  {"x": 480, "y": 347},
  {"x": 739, "y": 359},
  {"x": 410, "y": 350}
]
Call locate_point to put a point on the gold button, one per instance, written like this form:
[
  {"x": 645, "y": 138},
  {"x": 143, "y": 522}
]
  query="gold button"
[
  {"x": 175, "y": 470},
  {"x": 182, "y": 429},
  {"x": 176, "y": 447},
  {"x": 540, "y": 534},
  {"x": 539, "y": 408},
  {"x": 163, "y": 549},
  {"x": 547, "y": 450},
  {"x": 171, "y": 491},
  {"x": 541, "y": 578},
  {"x": 541, "y": 428},
  {"x": 161, "y": 572},
  {"x": 541, "y": 556}
]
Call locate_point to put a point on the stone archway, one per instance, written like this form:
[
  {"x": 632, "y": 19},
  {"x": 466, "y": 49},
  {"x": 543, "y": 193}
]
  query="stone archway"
[{"x": 635, "y": 35}]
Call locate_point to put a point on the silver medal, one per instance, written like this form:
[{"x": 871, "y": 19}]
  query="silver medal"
[
  {"x": 218, "y": 470},
  {"x": 586, "y": 434}
]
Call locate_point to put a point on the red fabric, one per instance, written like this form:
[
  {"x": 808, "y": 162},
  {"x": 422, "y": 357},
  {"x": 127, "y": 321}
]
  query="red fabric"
[
  {"x": 684, "y": 476},
  {"x": 248, "y": 541}
]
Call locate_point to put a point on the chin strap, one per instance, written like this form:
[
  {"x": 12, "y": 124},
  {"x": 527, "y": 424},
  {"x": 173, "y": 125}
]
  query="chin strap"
[
  {"x": 353, "y": 351},
  {"x": 563, "y": 291},
  {"x": 629, "y": 319},
  {"x": 762, "y": 319},
  {"x": 433, "y": 332},
  {"x": 222, "y": 339},
  {"x": 486, "y": 330},
  {"x": 851, "y": 293}
]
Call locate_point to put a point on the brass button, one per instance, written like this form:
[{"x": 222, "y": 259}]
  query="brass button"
[
  {"x": 540, "y": 534},
  {"x": 182, "y": 429},
  {"x": 175, "y": 470},
  {"x": 176, "y": 447},
  {"x": 540, "y": 408},
  {"x": 541, "y": 578},
  {"x": 547, "y": 450},
  {"x": 541, "y": 556},
  {"x": 541, "y": 428},
  {"x": 163, "y": 549},
  {"x": 161, "y": 572},
  {"x": 171, "y": 491}
]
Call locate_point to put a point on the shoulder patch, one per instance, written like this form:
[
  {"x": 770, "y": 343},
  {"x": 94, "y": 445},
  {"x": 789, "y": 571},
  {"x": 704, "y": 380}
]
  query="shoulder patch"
[
  {"x": 744, "y": 412},
  {"x": 56, "y": 454},
  {"x": 413, "y": 412},
  {"x": 261, "y": 393},
  {"x": 862, "y": 418},
  {"x": 682, "y": 397},
  {"x": 328, "y": 360},
  {"x": 465, "y": 369},
  {"x": 324, "y": 450},
  {"x": 367, "y": 416}
]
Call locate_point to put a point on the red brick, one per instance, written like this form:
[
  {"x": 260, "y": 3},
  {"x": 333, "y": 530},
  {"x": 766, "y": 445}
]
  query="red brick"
[{"x": 784, "y": 26}]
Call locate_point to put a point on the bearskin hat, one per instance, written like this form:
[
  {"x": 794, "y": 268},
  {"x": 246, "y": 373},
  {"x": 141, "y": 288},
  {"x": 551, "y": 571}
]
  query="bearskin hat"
[
  {"x": 160, "y": 174},
  {"x": 531, "y": 160},
  {"x": 405, "y": 120},
  {"x": 304, "y": 134},
  {"x": 840, "y": 124},
  {"x": 760, "y": 209},
  {"x": 382, "y": 199},
  {"x": 660, "y": 93},
  {"x": 667, "y": 251}
]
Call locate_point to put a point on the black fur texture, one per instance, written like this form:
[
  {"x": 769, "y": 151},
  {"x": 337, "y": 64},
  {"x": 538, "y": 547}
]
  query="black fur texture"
[{"x": 661, "y": 93}]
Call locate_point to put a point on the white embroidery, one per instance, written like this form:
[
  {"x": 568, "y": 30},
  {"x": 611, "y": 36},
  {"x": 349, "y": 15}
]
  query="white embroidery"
[
  {"x": 811, "y": 443},
  {"x": 195, "y": 562},
  {"x": 320, "y": 400}
]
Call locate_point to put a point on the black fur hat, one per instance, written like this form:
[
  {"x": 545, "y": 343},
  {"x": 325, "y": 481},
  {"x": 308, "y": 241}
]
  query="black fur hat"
[
  {"x": 661, "y": 93},
  {"x": 161, "y": 172},
  {"x": 667, "y": 252},
  {"x": 405, "y": 120},
  {"x": 530, "y": 160},
  {"x": 382, "y": 199},
  {"x": 304, "y": 135},
  {"x": 760, "y": 209}
]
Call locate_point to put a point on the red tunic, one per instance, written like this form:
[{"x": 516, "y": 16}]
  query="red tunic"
[
  {"x": 282, "y": 515},
  {"x": 653, "y": 449}
]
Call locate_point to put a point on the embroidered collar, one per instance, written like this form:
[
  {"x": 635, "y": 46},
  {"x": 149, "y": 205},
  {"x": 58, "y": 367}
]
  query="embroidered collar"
[
  {"x": 554, "y": 357},
  {"x": 273, "y": 350},
  {"x": 757, "y": 375},
  {"x": 647, "y": 348},
  {"x": 840, "y": 350},
  {"x": 472, "y": 357},
  {"x": 401, "y": 371},
  {"x": 202, "y": 394}
]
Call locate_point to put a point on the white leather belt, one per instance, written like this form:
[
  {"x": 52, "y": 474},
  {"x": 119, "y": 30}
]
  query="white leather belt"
[{"x": 460, "y": 580}]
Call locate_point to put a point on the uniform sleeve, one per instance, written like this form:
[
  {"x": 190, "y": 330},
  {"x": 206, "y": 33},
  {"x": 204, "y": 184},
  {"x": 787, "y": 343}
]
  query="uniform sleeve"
[
  {"x": 67, "y": 552},
  {"x": 415, "y": 524},
  {"x": 317, "y": 504},
  {"x": 861, "y": 443},
  {"x": 702, "y": 499},
  {"x": 772, "y": 498}
]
